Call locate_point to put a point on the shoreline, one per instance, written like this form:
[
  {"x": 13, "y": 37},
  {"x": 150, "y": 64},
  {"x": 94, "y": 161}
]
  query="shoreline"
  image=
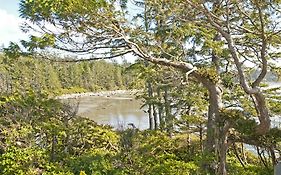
[{"x": 102, "y": 93}]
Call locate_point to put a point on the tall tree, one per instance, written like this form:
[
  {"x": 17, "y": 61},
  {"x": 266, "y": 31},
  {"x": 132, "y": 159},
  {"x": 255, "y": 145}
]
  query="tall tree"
[{"x": 223, "y": 34}]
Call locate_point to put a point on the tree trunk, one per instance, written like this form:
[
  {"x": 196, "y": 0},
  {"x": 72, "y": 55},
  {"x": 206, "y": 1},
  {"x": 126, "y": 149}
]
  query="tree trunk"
[
  {"x": 222, "y": 153},
  {"x": 160, "y": 110},
  {"x": 263, "y": 113},
  {"x": 150, "y": 112},
  {"x": 168, "y": 117},
  {"x": 201, "y": 137},
  {"x": 53, "y": 148},
  {"x": 222, "y": 144},
  {"x": 273, "y": 157},
  {"x": 213, "y": 136},
  {"x": 215, "y": 104},
  {"x": 155, "y": 117}
]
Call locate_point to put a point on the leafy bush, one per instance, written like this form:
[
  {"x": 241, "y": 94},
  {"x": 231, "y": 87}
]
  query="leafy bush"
[{"x": 43, "y": 136}]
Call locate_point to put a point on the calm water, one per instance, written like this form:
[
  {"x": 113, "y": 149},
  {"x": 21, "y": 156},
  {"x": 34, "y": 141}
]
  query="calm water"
[
  {"x": 117, "y": 111},
  {"x": 120, "y": 110}
]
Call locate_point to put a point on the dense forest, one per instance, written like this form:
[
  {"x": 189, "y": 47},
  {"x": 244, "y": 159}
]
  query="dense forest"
[
  {"x": 202, "y": 69},
  {"x": 19, "y": 74}
]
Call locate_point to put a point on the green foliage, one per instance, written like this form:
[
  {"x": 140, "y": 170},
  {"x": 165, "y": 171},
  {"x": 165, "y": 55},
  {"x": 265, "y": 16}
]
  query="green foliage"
[
  {"x": 13, "y": 51},
  {"x": 238, "y": 120},
  {"x": 20, "y": 74},
  {"x": 39, "y": 42},
  {"x": 235, "y": 168},
  {"x": 155, "y": 153},
  {"x": 209, "y": 73},
  {"x": 41, "y": 135},
  {"x": 223, "y": 37}
]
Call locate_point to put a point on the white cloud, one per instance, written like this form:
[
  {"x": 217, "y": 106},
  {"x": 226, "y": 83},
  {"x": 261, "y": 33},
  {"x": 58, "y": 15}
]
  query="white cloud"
[{"x": 10, "y": 28}]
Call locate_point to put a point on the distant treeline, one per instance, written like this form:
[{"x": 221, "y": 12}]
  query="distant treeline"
[{"x": 60, "y": 77}]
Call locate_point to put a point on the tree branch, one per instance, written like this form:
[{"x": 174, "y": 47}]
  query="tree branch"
[{"x": 263, "y": 51}]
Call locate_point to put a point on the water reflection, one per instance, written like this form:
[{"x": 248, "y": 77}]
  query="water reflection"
[
  {"x": 117, "y": 111},
  {"x": 122, "y": 109}
]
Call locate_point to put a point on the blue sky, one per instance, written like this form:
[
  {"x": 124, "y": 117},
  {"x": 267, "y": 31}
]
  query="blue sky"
[
  {"x": 10, "y": 5},
  {"x": 10, "y": 22}
]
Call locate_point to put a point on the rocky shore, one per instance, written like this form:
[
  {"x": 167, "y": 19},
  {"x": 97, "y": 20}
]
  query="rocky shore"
[{"x": 102, "y": 93}]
